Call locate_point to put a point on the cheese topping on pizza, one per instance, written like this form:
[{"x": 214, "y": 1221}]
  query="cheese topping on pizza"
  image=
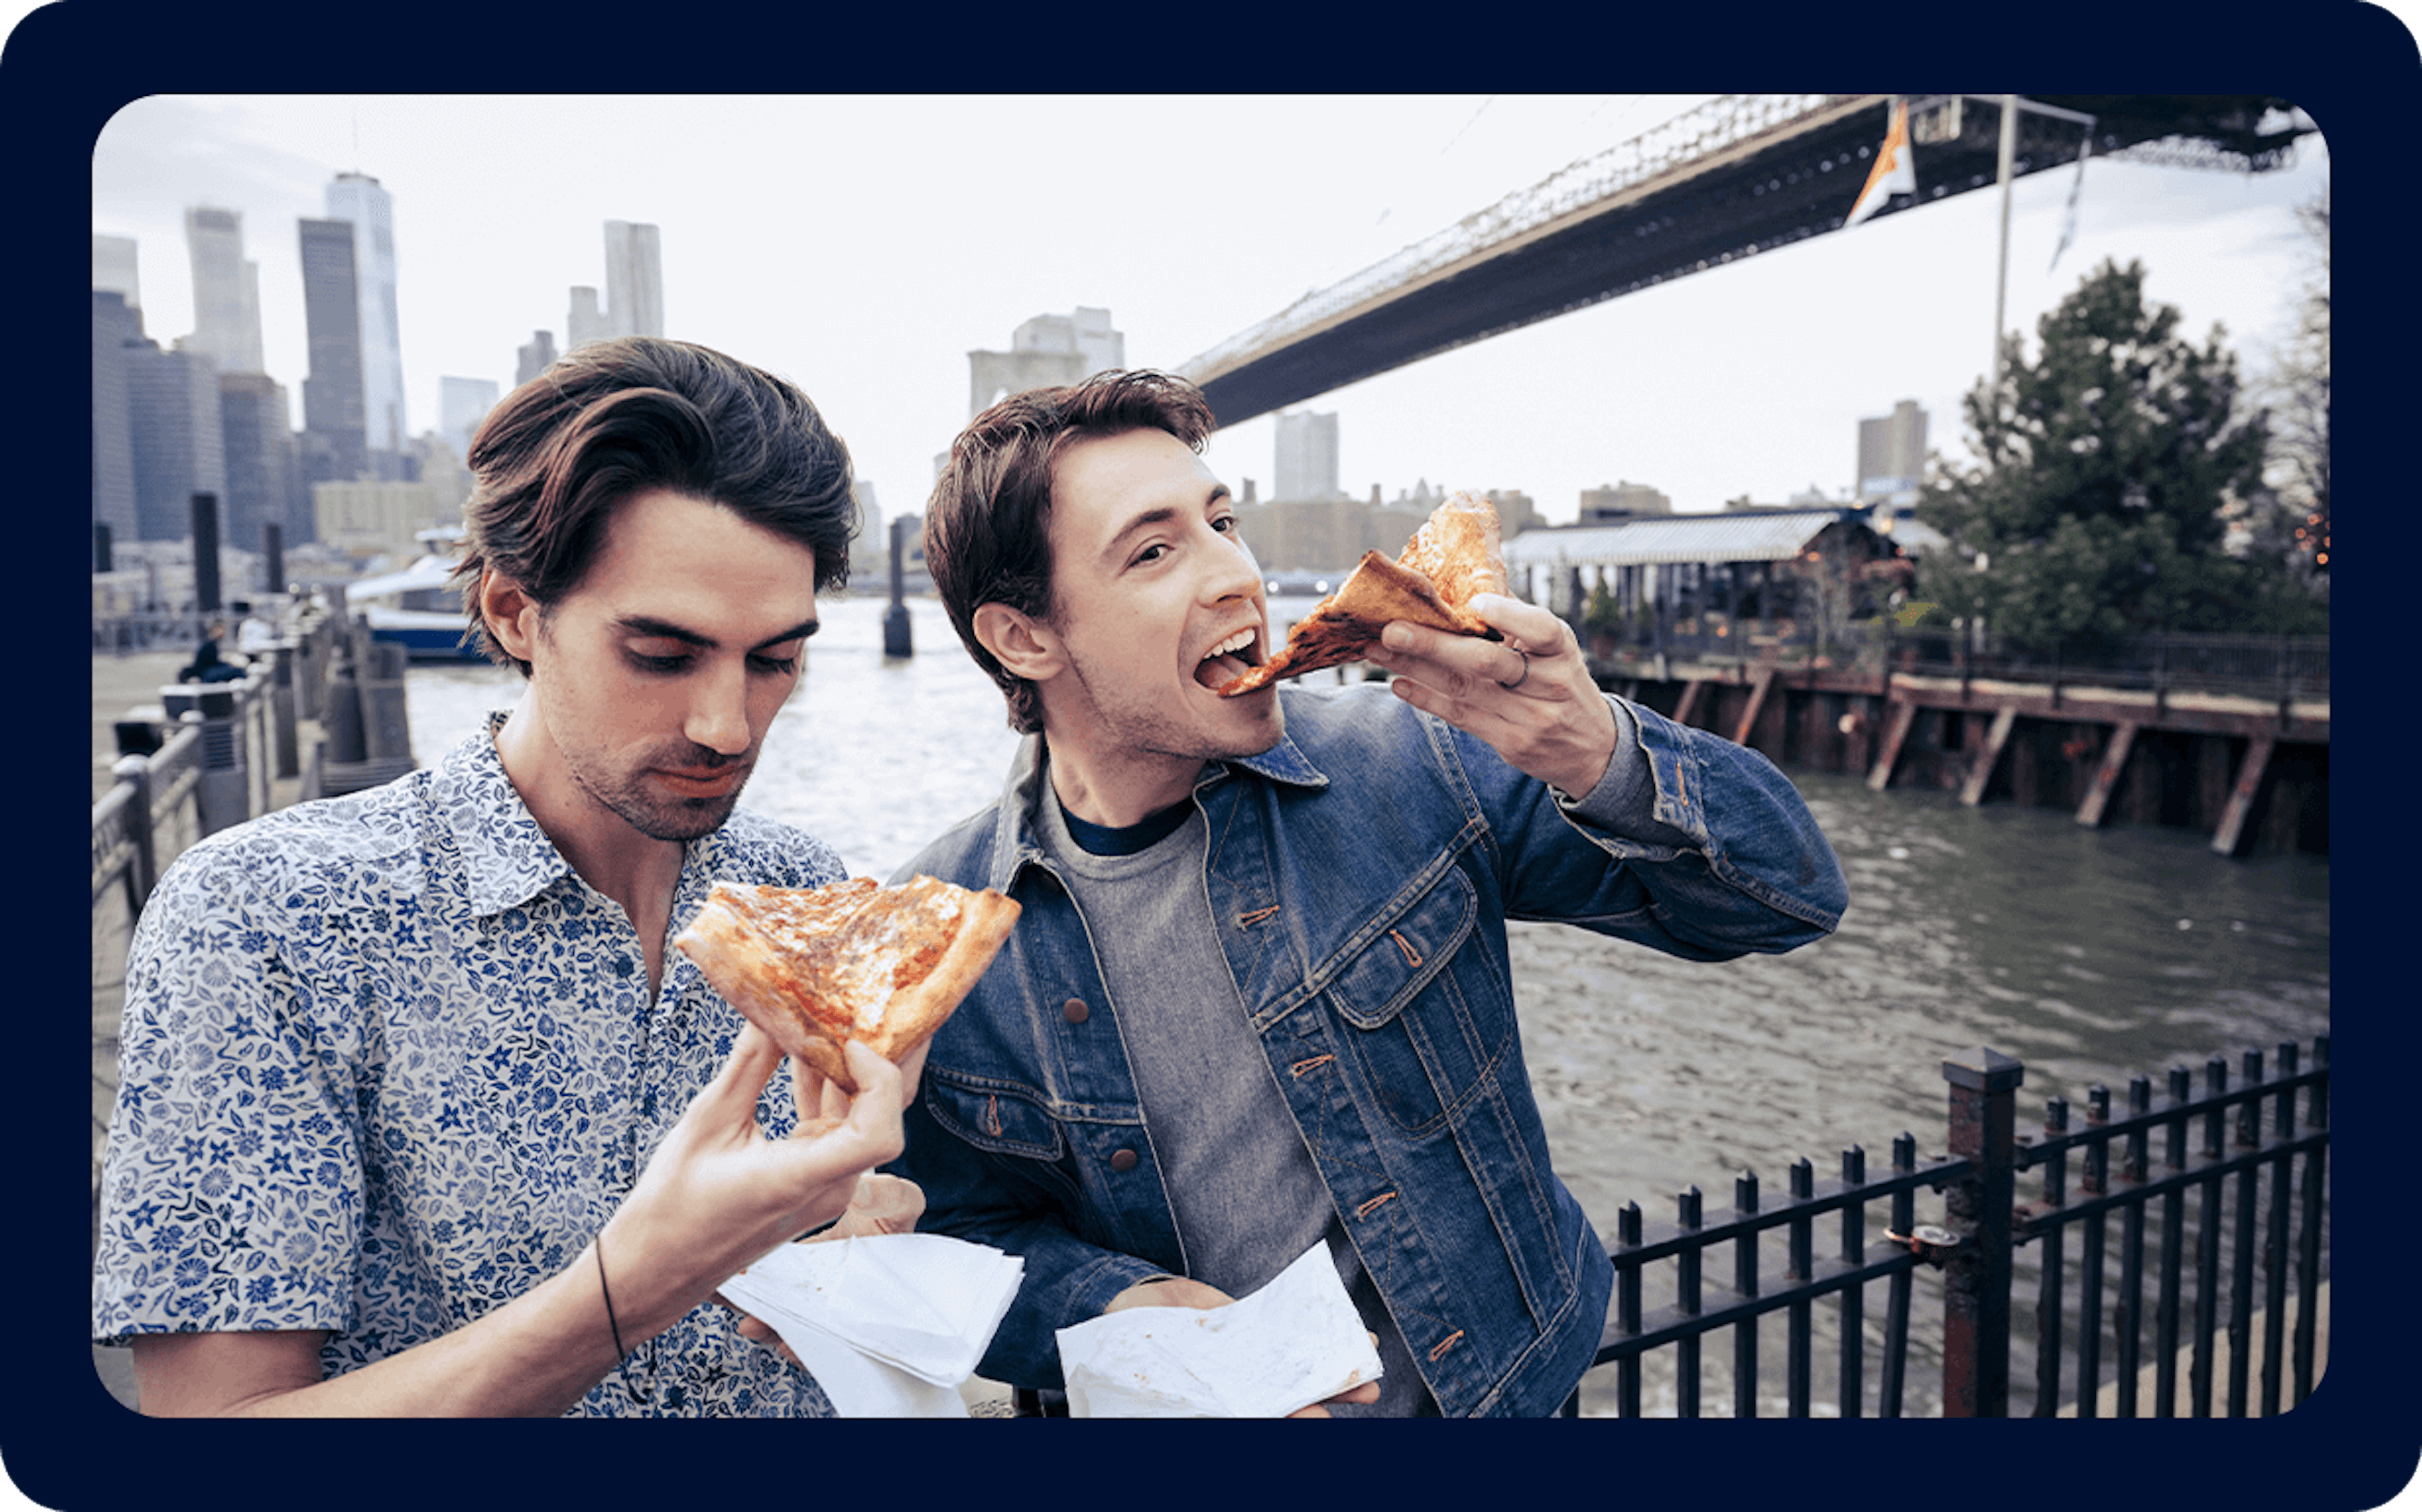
[{"x": 818, "y": 967}]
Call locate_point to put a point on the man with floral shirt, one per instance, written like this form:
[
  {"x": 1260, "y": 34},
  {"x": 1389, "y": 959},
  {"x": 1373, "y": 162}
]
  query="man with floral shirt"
[{"x": 418, "y": 1115}]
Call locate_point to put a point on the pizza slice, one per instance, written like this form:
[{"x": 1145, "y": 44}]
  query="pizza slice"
[
  {"x": 818, "y": 967},
  {"x": 1456, "y": 555}
]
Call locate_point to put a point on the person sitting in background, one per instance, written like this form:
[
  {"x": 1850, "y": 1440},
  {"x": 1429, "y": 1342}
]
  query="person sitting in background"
[{"x": 207, "y": 664}]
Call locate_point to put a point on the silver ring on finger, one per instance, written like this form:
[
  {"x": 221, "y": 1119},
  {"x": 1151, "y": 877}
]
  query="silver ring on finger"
[{"x": 1509, "y": 687}]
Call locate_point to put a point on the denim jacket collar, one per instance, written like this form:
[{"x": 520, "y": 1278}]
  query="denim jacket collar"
[{"x": 1014, "y": 845}]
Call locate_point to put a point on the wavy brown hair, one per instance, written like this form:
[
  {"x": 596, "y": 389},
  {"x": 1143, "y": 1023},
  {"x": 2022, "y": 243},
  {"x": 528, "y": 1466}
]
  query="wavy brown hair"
[
  {"x": 617, "y": 418},
  {"x": 988, "y": 524}
]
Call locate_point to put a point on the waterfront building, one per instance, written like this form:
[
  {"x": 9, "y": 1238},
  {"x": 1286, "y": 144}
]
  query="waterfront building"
[
  {"x": 115, "y": 326},
  {"x": 1329, "y": 535},
  {"x": 1392, "y": 524},
  {"x": 358, "y": 199},
  {"x": 1046, "y": 351},
  {"x": 1309, "y": 535},
  {"x": 1517, "y": 511},
  {"x": 1613, "y": 503},
  {"x": 462, "y": 403},
  {"x": 114, "y": 269},
  {"x": 336, "y": 437},
  {"x": 227, "y": 290},
  {"x": 1739, "y": 565},
  {"x": 635, "y": 281},
  {"x": 371, "y": 519}
]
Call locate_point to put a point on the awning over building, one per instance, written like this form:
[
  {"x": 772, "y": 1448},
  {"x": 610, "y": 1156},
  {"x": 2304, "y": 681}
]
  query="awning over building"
[{"x": 1667, "y": 539}]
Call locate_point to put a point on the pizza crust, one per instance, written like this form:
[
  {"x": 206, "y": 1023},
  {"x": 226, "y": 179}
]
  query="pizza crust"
[
  {"x": 1457, "y": 554},
  {"x": 815, "y": 968}
]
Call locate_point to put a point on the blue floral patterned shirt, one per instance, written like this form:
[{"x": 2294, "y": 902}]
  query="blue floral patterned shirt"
[{"x": 388, "y": 1063}]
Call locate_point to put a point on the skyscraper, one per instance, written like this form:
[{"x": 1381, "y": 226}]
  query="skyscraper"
[
  {"x": 113, "y": 267},
  {"x": 172, "y": 401},
  {"x": 227, "y": 290},
  {"x": 356, "y": 198},
  {"x": 115, "y": 327},
  {"x": 336, "y": 441},
  {"x": 635, "y": 281},
  {"x": 259, "y": 448}
]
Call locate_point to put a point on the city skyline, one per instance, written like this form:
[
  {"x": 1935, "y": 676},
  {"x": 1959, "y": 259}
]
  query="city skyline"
[{"x": 1740, "y": 380}]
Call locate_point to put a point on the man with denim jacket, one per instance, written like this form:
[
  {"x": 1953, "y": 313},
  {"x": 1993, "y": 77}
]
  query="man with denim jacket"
[{"x": 1258, "y": 998}]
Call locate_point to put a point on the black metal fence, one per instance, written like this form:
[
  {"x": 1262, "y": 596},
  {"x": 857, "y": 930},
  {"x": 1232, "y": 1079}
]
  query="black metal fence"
[
  {"x": 2270, "y": 667},
  {"x": 2232, "y": 1185},
  {"x": 2273, "y": 668}
]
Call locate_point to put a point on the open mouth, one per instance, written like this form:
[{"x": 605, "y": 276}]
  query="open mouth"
[{"x": 1230, "y": 659}]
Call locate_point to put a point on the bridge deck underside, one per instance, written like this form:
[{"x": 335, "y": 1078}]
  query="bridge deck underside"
[{"x": 1801, "y": 185}]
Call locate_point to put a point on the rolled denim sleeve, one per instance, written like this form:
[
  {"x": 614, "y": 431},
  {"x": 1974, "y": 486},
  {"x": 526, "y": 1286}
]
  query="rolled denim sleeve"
[{"x": 1722, "y": 845}]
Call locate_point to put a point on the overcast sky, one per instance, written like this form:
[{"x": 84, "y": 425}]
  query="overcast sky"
[{"x": 905, "y": 232}]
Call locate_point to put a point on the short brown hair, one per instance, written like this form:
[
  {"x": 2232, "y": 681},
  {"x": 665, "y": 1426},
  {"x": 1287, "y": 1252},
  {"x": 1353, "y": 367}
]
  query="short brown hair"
[
  {"x": 988, "y": 524},
  {"x": 613, "y": 419}
]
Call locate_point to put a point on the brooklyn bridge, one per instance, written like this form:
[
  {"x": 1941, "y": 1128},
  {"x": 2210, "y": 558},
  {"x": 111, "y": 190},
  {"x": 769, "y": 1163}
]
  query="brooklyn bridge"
[{"x": 1739, "y": 176}]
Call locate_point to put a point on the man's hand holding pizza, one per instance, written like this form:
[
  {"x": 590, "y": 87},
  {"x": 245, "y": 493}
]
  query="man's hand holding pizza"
[
  {"x": 879, "y": 1204},
  {"x": 718, "y": 1192},
  {"x": 1530, "y": 695}
]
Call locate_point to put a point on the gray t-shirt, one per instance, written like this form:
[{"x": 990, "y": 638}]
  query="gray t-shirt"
[{"x": 1246, "y": 1193}]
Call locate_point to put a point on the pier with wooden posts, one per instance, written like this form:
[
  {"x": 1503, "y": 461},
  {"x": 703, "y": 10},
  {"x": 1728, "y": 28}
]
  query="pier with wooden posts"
[{"x": 2226, "y": 735}]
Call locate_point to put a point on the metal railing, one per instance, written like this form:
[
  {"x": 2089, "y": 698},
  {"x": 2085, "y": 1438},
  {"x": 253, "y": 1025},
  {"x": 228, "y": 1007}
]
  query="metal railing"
[
  {"x": 2219, "y": 1239},
  {"x": 155, "y": 797},
  {"x": 224, "y": 748},
  {"x": 2285, "y": 668}
]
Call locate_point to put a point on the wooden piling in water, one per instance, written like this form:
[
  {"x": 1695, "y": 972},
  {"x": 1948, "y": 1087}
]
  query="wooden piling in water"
[{"x": 2251, "y": 772}]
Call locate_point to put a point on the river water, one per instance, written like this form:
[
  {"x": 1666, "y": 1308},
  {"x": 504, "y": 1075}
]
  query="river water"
[{"x": 2089, "y": 955}]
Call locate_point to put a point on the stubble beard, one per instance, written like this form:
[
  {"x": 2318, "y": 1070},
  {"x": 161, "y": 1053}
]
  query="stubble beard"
[
  {"x": 658, "y": 818},
  {"x": 1145, "y": 729}
]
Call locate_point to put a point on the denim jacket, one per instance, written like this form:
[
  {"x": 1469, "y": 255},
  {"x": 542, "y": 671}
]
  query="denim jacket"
[{"x": 1360, "y": 874}]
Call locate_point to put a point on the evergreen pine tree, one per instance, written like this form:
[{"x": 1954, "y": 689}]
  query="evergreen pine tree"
[{"x": 2107, "y": 471}]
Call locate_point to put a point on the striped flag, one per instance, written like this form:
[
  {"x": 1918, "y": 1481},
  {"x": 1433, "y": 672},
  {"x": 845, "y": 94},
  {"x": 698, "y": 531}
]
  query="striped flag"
[{"x": 1893, "y": 172}]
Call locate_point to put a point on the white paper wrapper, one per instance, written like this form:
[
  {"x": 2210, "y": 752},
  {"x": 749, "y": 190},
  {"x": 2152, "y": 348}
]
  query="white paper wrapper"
[
  {"x": 1295, "y": 1342},
  {"x": 888, "y": 1324}
]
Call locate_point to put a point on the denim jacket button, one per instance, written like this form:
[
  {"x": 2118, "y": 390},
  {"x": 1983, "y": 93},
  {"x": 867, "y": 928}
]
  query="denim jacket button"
[
  {"x": 1075, "y": 1011},
  {"x": 1123, "y": 1160}
]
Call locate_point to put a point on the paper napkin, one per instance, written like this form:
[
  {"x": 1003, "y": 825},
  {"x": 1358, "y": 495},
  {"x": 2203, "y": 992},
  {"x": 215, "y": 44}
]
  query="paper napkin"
[
  {"x": 888, "y": 1324},
  {"x": 1295, "y": 1342}
]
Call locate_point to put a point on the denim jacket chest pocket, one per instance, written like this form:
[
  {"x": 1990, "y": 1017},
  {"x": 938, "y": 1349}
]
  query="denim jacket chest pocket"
[
  {"x": 1430, "y": 1020},
  {"x": 998, "y": 1118}
]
